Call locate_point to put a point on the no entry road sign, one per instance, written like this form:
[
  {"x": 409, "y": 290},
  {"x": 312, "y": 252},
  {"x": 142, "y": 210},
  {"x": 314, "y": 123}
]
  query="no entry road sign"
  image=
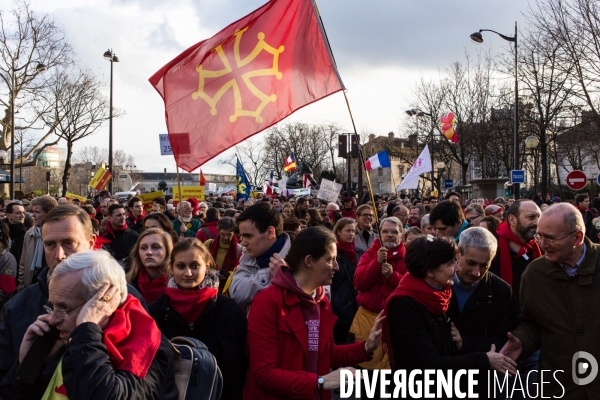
[{"x": 576, "y": 180}]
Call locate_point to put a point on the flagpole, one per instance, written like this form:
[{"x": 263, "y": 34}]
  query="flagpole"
[
  {"x": 178, "y": 183},
  {"x": 361, "y": 157}
]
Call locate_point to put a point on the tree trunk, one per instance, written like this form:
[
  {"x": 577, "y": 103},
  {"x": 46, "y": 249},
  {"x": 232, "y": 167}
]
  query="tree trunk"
[{"x": 66, "y": 172}]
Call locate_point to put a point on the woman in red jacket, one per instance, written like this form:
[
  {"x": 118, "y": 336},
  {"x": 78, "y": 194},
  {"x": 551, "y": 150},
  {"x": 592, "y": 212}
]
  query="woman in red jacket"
[
  {"x": 377, "y": 275},
  {"x": 290, "y": 326}
]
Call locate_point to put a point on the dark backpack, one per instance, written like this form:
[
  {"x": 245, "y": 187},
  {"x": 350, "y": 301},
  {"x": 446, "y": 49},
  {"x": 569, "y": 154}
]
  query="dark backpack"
[{"x": 197, "y": 374}]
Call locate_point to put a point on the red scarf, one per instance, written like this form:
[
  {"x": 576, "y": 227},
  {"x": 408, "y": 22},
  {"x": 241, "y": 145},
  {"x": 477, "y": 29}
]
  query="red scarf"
[
  {"x": 436, "y": 301},
  {"x": 311, "y": 311},
  {"x": 132, "y": 338},
  {"x": 151, "y": 289},
  {"x": 506, "y": 235},
  {"x": 99, "y": 242},
  {"x": 190, "y": 304},
  {"x": 231, "y": 257},
  {"x": 108, "y": 229},
  {"x": 138, "y": 219},
  {"x": 348, "y": 249}
]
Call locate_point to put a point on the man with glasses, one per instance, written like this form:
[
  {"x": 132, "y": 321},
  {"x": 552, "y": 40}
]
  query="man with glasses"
[
  {"x": 559, "y": 295},
  {"x": 66, "y": 229},
  {"x": 365, "y": 236},
  {"x": 15, "y": 215},
  {"x": 473, "y": 214}
]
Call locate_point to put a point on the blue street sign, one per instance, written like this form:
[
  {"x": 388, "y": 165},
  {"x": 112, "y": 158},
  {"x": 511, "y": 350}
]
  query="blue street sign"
[
  {"x": 448, "y": 183},
  {"x": 598, "y": 179},
  {"x": 517, "y": 176}
]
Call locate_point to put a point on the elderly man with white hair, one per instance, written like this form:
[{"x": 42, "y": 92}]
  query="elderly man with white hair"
[
  {"x": 111, "y": 348},
  {"x": 185, "y": 225}
]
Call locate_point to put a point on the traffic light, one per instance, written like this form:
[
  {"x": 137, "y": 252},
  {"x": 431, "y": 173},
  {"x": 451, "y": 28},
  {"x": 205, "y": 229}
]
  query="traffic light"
[{"x": 343, "y": 146}]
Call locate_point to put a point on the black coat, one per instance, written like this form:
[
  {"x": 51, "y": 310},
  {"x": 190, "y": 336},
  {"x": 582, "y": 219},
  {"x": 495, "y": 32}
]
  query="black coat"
[
  {"x": 18, "y": 313},
  {"x": 121, "y": 244},
  {"x": 422, "y": 340},
  {"x": 487, "y": 316},
  {"x": 17, "y": 237},
  {"x": 138, "y": 228},
  {"x": 343, "y": 293},
  {"x": 222, "y": 327}
]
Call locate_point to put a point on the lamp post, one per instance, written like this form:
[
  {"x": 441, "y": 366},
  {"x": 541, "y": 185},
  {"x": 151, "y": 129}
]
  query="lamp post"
[
  {"x": 440, "y": 166},
  {"x": 531, "y": 142},
  {"x": 478, "y": 38},
  {"x": 110, "y": 56},
  {"x": 39, "y": 68},
  {"x": 419, "y": 113}
]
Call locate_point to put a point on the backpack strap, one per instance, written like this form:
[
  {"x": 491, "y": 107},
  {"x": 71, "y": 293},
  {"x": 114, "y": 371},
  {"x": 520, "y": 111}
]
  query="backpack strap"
[{"x": 207, "y": 232}]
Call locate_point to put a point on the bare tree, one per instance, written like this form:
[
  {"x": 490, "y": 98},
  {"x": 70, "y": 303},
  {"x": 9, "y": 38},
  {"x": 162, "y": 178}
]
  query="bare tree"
[
  {"x": 93, "y": 154},
  {"x": 81, "y": 109},
  {"x": 26, "y": 39}
]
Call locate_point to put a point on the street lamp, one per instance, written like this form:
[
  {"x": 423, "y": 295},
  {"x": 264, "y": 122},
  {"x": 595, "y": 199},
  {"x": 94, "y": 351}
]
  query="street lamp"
[
  {"x": 110, "y": 56},
  {"x": 39, "y": 68},
  {"x": 478, "y": 38},
  {"x": 531, "y": 142},
  {"x": 440, "y": 166},
  {"x": 419, "y": 113}
]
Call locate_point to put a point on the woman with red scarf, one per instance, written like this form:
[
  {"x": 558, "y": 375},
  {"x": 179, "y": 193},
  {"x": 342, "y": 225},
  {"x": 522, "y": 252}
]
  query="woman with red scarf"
[
  {"x": 343, "y": 293},
  {"x": 191, "y": 306},
  {"x": 416, "y": 333},
  {"x": 150, "y": 260},
  {"x": 290, "y": 326}
]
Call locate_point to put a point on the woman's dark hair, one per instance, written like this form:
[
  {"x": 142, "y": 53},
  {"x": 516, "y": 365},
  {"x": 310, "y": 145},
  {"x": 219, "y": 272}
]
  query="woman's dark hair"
[
  {"x": 4, "y": 237},
  {"x": 428, "y": 253},
  {"x": 312, "y": 241},
  {"x": 491, "y": 223},
  {"x": 413, "y": 230},
  {"x": 165, "y": 223},
  {"x": 291, "y": 224},
  {"x": 315, "y": 217}
]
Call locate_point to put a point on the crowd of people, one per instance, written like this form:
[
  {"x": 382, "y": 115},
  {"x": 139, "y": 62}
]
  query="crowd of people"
[{"x": 286, "y": 292}]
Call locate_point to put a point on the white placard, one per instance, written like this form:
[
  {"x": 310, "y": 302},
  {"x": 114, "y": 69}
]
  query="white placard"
[
  {"x": 302, "y": 192},
  {"x": 329, "y": 190},
  {"x": 212, "y": 187},
  {"x": 165, "y": 145}
]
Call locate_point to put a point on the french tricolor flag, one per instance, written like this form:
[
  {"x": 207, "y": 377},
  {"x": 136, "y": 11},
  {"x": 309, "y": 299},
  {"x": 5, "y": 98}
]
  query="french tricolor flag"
[{"x": 379, "y": 160}]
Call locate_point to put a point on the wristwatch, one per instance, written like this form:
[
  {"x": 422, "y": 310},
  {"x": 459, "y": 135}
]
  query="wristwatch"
[{"x": 320, "y": 382}]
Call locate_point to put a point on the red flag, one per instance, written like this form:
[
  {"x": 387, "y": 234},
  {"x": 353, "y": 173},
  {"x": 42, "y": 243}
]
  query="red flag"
[
  {"x": 246, "y": 78},
  {"x": 202, "y": 179}
]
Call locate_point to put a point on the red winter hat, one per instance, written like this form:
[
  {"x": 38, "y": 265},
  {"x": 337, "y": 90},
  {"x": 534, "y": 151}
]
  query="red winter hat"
[{"x": 194, "y": 203}]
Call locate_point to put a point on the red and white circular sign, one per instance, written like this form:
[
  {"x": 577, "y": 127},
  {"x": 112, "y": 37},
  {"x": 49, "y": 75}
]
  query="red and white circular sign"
[{"x": 576, "y": 180}]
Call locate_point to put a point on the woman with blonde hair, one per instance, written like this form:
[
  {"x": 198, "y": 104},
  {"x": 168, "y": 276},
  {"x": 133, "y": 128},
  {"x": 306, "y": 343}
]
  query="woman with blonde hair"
[{"x": 150, "y": 261}]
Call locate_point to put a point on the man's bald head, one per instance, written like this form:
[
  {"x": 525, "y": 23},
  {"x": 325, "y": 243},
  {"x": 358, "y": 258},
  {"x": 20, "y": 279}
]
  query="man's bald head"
[{"x": 568, "y": 214}]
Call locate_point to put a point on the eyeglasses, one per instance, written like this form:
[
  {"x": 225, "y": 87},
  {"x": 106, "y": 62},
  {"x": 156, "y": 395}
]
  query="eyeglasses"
[
  {"x": 475, "y": 217},
  {"x": 61, "y": 314},
  {"x": 348, "y": 231},
  {"x": 538, "y": 238}
]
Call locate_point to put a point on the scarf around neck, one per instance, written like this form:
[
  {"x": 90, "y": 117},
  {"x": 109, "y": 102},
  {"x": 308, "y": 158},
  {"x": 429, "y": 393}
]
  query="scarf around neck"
[
  {"x": 263, "y": 261},
  {"x": 138, "y": 219},
  {"x": 435, "y": 300},
  {"x": 506, "y": 235},
  {"x": 230, "y": 261},
  {"x": 311, "y": 311},
  {"x": 109, "y": 230},
  {"x": 151, "y": 290},
  {"x": 190, "y": 304},
  {"x": 36, "y": 261},
  {"x": 348, "y": 249}
]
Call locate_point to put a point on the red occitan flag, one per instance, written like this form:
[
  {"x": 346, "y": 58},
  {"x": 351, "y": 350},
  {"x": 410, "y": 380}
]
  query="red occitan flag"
[{"x": 246, "y": 78}]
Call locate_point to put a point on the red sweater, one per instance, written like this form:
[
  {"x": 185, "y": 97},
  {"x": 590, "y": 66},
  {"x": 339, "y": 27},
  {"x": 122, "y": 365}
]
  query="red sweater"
[
  {"x": 373, "y": 287},
  {"x": 278, "y": 348}
]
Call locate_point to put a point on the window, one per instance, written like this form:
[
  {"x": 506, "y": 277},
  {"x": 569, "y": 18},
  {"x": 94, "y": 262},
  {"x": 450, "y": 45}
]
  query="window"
[{"x": 380, "y": 187}]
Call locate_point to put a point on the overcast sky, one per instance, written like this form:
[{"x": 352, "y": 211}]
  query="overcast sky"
[{"x": 381, "y": 47}]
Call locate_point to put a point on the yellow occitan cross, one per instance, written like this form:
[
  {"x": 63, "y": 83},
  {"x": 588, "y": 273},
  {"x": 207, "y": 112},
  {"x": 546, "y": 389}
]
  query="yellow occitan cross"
[{"x": 233, "y": 84}]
